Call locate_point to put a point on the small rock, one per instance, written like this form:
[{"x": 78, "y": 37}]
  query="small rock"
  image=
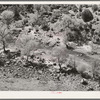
[
  {"x": 90, "y": 89},
  {"x": 84, "y": 81},
  {"x": 7, "y": 62},
  {"x": 57, "y": 70},
  {"x": 56, "y": 67},
  {"x": 40, "y": 71},
  {"x": 38, "y": 78},
  {"x": 86, "y": 75},
  {"x": 14, "y": 60},
  {"x": 54, "y": 64},
  {"x": 51, "y": 70},
  {"x": 31, "y": 66}
]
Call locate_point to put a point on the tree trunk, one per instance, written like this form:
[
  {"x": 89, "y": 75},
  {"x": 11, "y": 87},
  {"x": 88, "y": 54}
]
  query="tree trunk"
[
  {"x": 8, "y": 26},
  {"x": 59, "y": 63},
  {"x": 4, "y": 46}
]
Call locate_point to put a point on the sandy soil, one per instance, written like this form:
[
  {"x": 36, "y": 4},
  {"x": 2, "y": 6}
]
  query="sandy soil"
[{"x": 70, "y": 82}]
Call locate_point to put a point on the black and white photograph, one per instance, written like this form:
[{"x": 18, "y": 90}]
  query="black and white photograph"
[{"x": 50, "y": 47}]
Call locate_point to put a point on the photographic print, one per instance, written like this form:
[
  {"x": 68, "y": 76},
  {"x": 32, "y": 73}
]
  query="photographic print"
[{"x": 50, "y": 47}]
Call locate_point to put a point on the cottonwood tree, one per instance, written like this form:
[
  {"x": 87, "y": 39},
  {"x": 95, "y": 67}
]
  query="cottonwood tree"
[
  {"x": 6, "y": 20},
  {"x": 27, "y": 42},
  {"x": 3, "y": 34}
]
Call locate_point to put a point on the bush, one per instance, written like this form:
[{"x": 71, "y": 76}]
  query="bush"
[
  {"x": 7, "y": 16},
  {"x": 94, "y": 7},
  {"x": 3, "y": 34},
  {"x": 87, "y": 15},
  {"x": 28, "y": 42},
  {"x": 81, "y": 66}
]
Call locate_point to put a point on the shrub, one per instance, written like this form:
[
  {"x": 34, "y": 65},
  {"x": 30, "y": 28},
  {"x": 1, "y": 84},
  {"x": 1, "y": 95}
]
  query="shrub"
[
  {"x": 7, "y": 16},
  {"x": 94, "y": 7},
  {"x": 27, "y": 43},
  {"x": 4, "y": 32},
  {"x": 87, "y": 15},
  {"x": 33, "y": 18},
  {"x": 81, "y": 66}
]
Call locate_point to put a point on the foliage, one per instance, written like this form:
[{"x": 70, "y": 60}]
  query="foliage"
[
  {"x": 4, "y": 34},
  {"x": 16, "y": 11},
  {"x": 7, "y": 16},
  {"x": 94, "y": 7},
  {"x": 28, "y": 42},
  {"x": 87, "y": 15}
]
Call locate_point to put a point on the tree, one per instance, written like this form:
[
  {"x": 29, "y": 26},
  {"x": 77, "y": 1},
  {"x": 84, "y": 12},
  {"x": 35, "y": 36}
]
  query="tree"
[
  {"x": 7, "y": 17},
  {"x": 28, "y": 42},
  {"x": 6, "y": 20},
  {"x": 87, "y": 15},
  {"x": 3, "y": 34},
  {"x": 16, "y": 13}
]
